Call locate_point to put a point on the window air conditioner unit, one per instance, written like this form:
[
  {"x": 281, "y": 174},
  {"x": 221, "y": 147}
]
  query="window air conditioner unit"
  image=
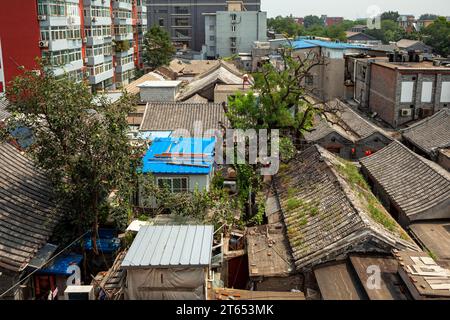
[
  {"x": 43, "y": 44},
  {"x": 79, "y": 293},
  {"x": 42, "y": 17},
  {"x": 406, "y": 112}
]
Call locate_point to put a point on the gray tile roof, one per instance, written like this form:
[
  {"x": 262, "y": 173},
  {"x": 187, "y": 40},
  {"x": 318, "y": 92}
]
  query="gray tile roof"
[
  {"x": 327, "y": 214},
  {"x": 170, "y": 246},
  {"x": 169, "y": 116},
  {"x": 345, "y": 122},
  {"x": 412, "y": 182},
  {"x": 27, "y": 211},
  {"x": 430, "y": 133},
  {"x": 221, "y": 73}
]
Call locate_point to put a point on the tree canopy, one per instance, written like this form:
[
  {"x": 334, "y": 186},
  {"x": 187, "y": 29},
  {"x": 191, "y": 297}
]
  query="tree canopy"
[
  {"x": 158, "y": 49},
  {"x": 437, "y": 35},
  {"x": 80, "y": 143}
]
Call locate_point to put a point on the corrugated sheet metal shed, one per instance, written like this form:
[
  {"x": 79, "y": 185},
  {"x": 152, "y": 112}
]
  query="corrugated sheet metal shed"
[{"x": 170, "y": 246}]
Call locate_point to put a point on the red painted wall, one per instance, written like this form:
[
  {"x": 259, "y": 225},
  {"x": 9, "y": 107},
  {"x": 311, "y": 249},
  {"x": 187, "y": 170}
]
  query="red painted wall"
[{"x": 19, "y": 34}]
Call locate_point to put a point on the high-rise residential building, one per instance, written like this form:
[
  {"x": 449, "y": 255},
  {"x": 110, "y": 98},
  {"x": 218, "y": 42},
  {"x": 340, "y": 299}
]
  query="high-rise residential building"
[
  {"x": 234, "y": 31},
  {"x": 185, "y": 19},
  {"x": 98, "y": 41}
]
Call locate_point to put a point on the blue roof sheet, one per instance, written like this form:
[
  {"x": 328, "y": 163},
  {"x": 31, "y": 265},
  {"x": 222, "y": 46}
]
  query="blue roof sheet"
[
  {"x": 158, "y": 160},
  {"x": 107, "y": 241},
  {"x": 60, "y": 264},
  {"x": 311, "y": 43}
]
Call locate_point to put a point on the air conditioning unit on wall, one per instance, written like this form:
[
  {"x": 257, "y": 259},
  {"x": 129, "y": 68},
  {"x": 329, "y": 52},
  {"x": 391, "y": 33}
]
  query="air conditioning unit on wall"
[
  {"x": 406, "y": 112},
  {"x": 42, "y": 17},
  {"x": 43, "y": 44}
]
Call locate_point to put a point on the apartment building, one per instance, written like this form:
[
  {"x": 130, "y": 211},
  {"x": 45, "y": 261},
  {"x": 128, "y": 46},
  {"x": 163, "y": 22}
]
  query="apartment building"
[
  {"x": 185, "y": 20},
  {"x": 234, "y": 31},
  {"x": 97, "y": 41}
]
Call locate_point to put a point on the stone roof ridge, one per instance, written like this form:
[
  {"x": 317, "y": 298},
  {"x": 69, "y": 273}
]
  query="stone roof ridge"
[
  {"x": 432, "y": 165},
  {"x": 427, "y": 119}
]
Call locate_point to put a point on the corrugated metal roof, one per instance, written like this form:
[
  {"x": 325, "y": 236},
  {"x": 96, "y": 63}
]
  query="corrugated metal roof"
[
  {"x": 170, "y": 246},
  {"x": 182, "y": 160}
]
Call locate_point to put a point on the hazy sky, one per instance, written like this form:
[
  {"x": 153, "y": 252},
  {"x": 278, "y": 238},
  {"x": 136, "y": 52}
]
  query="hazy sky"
[{"x": 353, "y": 8}]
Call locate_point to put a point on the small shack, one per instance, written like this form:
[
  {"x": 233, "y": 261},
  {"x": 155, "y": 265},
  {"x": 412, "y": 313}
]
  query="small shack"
[{"x": 169, "y": 263}]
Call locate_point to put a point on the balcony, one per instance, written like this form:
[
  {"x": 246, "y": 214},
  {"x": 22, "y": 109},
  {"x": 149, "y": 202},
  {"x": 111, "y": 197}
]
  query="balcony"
[
  {"x": 64, "y": 44},
  {"x": 124, "y": 36},
  {"x": 125, "y": 67},
  {"x": 122, "y": 54},
  {"x": 97, "y": 3},
  {"x": 74, "y": 65},
  {"x": 99, "y": 59},
  {"x": 123, "y": 21},
  {"x": 122, "y": 5},
  {"x": 92, "y": 41},
  {"x": 97, "y": 78},
  {"x": 60, "y": 21},
  {"x": 97, "y": 21}
]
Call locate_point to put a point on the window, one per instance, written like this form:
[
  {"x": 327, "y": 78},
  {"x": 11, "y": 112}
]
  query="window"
[
  {"x": 181, "y": 22},
  {"x": 233, "y": 28},
  {"x": 181, "y": 10},
  {"x": 212, "y": 38},
  {"x": 445, "y": 93},
  {"x": 309, "y": 80},
  {"x": 233, "y": 17},
  {"x": 174, "y": 184},
  {"x": 407, "y": 91},
  {"x": 427, "y": 91},
  {"x": 161, "y": 22},
  {"x": 212, "y": 27}
]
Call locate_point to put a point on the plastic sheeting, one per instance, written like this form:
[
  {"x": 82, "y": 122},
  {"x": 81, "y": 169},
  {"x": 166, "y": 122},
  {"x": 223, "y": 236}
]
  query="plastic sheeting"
[{"x": 165, "y": 284}]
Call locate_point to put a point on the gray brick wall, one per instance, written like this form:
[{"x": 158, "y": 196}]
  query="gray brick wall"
[{"x": 165, "y": 9}]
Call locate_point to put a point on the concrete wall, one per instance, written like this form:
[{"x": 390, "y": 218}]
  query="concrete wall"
[
  {"x": 165, "y": 9},
  {"x": 195, "y": 182},
  {"x": 250, "y": 26},
  {"x": 383, "y": 89},
  {"x": 153, "y": 94}
]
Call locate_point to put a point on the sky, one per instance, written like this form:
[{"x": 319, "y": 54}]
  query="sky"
[{"x": 352, "y": 9}]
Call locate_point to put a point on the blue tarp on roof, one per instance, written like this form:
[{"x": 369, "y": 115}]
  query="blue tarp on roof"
[
  {"x": 107, "y": 241},
  {"x": 60, "y": 264},
  {"x": 311, "y": 43},
  {"x": 182, "y": 161}
]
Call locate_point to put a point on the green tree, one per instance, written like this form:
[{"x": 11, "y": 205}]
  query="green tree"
[
  {"x": 158, "y": 49},
  {"x": 390, "y": 15},
  {"x": 437, "y": 35},
  {"x": 336, "y": 32},
  {"x": 428, "y": 16},
  {"x": 390, "y": 31},
  {"x": 282, "y": 99},
  {"x": 284, "y": 25},
  {"x": 312, "y": 20},
  {"x": 81, "y": 145}
]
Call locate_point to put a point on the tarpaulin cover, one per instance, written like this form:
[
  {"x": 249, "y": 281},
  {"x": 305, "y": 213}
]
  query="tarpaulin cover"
[
  {"x": 165, "y": 284},
  {"x": 60, "y": 264}
]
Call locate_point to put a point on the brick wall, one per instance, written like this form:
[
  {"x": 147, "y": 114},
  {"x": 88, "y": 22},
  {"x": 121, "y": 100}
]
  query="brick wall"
[{"x": 382, "y": 98}]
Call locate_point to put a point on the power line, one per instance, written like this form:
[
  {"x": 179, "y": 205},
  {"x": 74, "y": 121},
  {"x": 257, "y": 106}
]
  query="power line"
[{"x": 37, "y": 269}]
